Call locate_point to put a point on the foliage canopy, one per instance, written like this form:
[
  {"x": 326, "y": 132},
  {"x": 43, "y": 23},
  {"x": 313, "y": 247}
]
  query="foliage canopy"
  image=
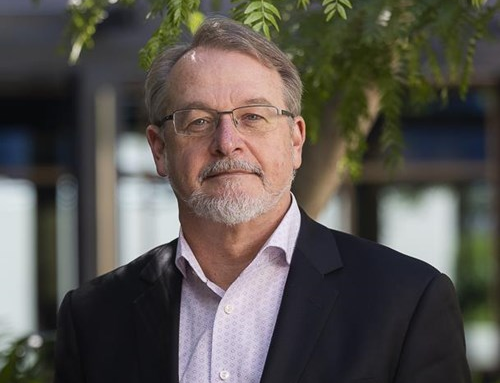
[{"x": 404, "y": 49}]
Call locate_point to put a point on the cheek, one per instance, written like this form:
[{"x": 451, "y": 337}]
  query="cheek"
[
  {"x": 281, "y": 161},
  {"x": 184, "y": 163}
]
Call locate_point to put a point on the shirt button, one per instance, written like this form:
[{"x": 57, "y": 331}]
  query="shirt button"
[
  {"x": 228, "y": 309},
  {"x": 224, "y": 375}
]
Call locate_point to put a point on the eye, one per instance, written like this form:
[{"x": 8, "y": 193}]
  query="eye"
[
  {"x": 199, "y": 122},
  {"x": 195, "y": 120},
  {"x": 252, "y": 117},
  {"x": 198, "y": 125}
]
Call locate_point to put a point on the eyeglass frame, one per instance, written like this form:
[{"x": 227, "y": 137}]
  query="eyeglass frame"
[{"x": 170, "y": 117}]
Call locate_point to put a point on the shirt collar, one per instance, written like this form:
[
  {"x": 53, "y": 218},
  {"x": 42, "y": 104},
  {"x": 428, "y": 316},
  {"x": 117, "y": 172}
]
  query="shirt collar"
[
  {"x": 285, "y": 235},
  {"x": 284, "y": 238}
]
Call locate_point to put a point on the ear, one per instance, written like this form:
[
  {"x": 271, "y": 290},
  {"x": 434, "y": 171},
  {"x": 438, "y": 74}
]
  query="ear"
[
  {"x": 298, "y": 139},
  {"x": 157, "y": 146}
]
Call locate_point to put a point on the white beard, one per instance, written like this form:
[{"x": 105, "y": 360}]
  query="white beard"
[{"x": 233, "y": 205}]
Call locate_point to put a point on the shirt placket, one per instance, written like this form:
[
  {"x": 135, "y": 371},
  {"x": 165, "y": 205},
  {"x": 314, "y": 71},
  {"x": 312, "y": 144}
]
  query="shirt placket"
[{"x": 224, "y": 348}]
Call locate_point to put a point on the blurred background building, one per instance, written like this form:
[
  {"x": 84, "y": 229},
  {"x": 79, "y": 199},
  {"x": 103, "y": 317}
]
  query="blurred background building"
[{"x": 79, "y": 195}]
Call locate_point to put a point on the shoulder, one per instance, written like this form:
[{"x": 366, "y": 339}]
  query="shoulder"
[
  {"x": 372, "y": 256},
  {"x": 126, "y": 282},
  {"x": 372, "y": 273},
  {"x": 360, "y": 259}
]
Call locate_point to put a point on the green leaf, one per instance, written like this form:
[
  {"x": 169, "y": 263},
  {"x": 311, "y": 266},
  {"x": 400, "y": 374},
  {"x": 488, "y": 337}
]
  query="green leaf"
[
  {"x": 265, "y": 29},
  {"x": 272, "y": 8},
  {"x": 341, "y": 11},
  {"x": 252, "y": 18},
  {"x": 177, "y": 15},
  {"x": 347, "y": 3},
  {"x": 272, "y": 19},
  {"x": 166, "y": 34},
  {"x": 304, "y": 4},
  {"x": 331, "y": 8},
  {"x": 194, "y": 21},
  {"x": 258, "y": 26},
  {"x": 330, "y": 15},
  {"x": 253, "y": 6}
]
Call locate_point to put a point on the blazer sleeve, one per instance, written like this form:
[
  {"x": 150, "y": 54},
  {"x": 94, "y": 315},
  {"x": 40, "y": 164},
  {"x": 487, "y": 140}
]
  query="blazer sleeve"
[
  {"x": 434, "y": 346},
  {"x": 68, "y": 367}
]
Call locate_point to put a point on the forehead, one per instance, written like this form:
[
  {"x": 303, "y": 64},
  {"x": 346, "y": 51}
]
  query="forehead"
[{"x": 222, "y": 79}]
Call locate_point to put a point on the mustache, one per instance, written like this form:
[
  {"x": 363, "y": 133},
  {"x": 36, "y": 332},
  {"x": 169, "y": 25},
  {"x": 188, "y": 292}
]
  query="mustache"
[{"x": 229, "y": 164}]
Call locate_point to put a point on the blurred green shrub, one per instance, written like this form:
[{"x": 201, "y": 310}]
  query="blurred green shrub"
[{"x": 28, "y": 360}]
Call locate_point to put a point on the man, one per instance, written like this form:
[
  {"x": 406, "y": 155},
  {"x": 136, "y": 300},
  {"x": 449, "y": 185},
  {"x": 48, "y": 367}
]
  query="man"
[{"x": 253, "y": 290}]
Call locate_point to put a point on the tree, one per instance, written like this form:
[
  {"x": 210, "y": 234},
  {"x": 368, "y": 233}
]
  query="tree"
[{"x": 357, "y": 63}]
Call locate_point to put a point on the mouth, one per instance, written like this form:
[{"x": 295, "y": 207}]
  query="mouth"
[
  {"x": 227, "y": 168},
  {"x": 231, "y": 173}
]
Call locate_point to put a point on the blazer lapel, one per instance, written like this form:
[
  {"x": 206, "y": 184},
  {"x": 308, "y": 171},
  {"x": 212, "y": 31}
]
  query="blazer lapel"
[
  {"x": 157, "y": 318},
  {"x": 308, "y": 299}
]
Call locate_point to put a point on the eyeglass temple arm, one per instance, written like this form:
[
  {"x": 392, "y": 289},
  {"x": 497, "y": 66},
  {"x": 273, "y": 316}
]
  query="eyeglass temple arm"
[{"x": 165, "y": 119}]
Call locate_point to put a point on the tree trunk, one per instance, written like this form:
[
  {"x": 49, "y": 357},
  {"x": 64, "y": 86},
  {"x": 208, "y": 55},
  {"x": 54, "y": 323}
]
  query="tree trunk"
[{"x": 319, "y": 177}]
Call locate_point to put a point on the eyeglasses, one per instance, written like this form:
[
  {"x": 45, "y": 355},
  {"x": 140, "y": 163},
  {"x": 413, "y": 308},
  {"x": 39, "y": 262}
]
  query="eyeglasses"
[{"x": 251, "y": 119}]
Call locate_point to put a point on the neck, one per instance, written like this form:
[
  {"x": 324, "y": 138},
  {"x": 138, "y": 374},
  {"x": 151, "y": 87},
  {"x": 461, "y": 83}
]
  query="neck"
[{"x": 223, "y": 251}]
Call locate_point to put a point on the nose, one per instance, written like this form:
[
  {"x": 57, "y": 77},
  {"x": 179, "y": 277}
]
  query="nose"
[{"x": 226, "y": 138}]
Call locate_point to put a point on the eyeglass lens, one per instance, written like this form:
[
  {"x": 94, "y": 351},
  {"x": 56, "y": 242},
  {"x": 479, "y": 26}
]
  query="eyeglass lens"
[{"x": 251, "y": 119}]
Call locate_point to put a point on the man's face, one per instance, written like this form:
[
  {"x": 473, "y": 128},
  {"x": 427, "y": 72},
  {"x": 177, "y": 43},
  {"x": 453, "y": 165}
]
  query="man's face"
[{"x": 227, "y": 176}]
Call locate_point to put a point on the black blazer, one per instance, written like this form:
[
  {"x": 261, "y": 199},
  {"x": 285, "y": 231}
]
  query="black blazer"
[{"x": 352, "y": 312}]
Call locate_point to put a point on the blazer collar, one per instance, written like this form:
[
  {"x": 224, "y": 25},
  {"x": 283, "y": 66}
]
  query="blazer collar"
[
  {"x": 317, "y": 243},
  {"x": 308, "y": 299},
  {"x": 156, "y": 313}
]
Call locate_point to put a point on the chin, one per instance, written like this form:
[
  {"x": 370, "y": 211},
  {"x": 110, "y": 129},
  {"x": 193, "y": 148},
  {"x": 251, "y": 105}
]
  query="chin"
[{"x": 231, "y": 206}]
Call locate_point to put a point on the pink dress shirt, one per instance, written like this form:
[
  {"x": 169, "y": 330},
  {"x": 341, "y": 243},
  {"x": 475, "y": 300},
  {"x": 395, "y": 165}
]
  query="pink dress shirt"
[{"x": 224, "y": 336}]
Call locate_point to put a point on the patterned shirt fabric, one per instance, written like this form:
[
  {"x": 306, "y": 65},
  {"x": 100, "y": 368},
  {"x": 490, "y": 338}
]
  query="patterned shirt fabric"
[{"x": 224, "y": 336}]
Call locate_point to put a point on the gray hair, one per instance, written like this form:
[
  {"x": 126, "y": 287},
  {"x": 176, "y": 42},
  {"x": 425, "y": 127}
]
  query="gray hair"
[{"x": 224, "y": 34}]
